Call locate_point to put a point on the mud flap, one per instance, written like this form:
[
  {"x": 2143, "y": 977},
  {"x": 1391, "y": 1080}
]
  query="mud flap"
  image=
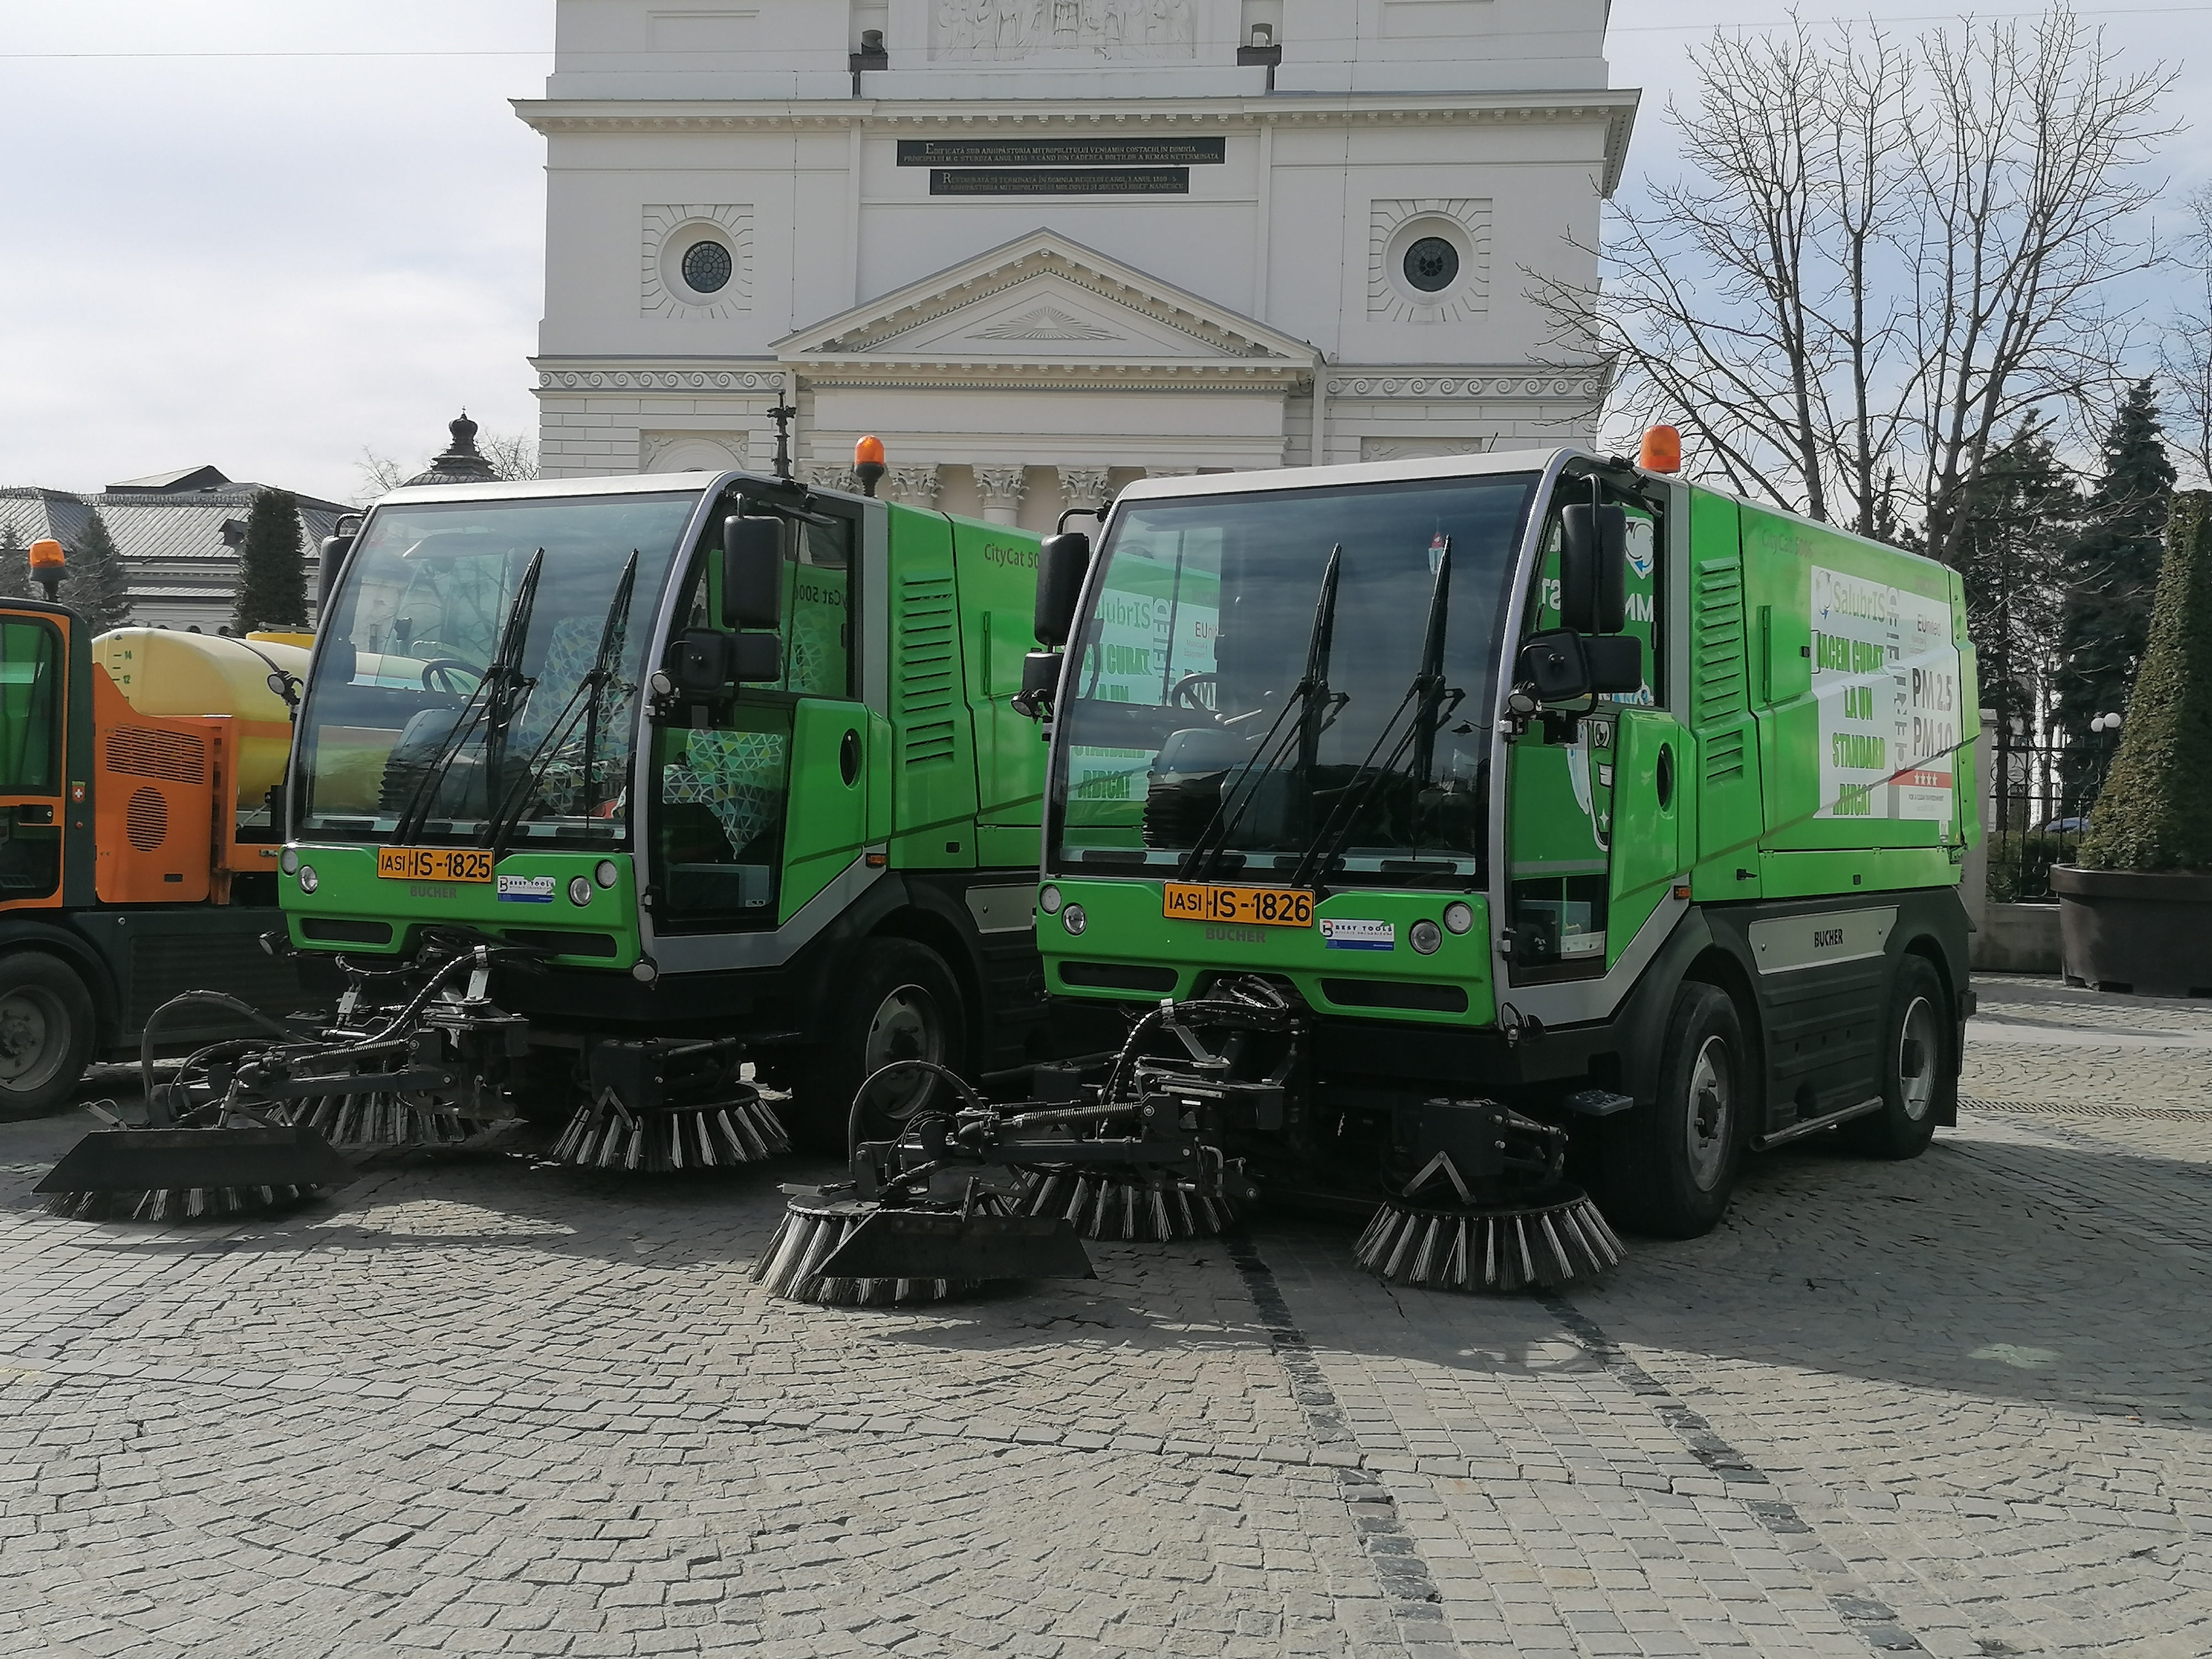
[
  {"x": 156, "y": 1160},
  {"x": 929, "y": 1244}
]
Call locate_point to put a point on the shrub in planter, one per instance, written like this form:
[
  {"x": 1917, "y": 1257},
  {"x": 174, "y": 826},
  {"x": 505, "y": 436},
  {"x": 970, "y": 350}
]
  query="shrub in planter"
[
  {"x": 2136, "y": 906},
  {"x": 2020, "y": 864}
]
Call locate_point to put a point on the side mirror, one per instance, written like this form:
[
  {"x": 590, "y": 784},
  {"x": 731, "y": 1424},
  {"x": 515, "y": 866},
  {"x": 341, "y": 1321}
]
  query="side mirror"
[
  {"x": 1553, "y": 665},
  {"x": 1040, "y": 683},
  {"x": 1062, "y": 562},
  {"x": 337, "y": 661},
  {"x": 1616, "y": 663},
  {"x": 700, "y": 662},
  {"x": 335, "y": 548},
  {"x": 1593, "y": 569},
  {"x": 752, "y": 572},
  {"x": 755, "y": 658}
]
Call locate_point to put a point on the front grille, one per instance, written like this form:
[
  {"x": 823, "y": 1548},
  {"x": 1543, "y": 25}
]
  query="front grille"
[
  {"x": 1395, "y": 993},
  {"x": 144, "y": 753},
  {"x": 1117, "y": 976},
  {"x": 564, "y": 943},
  {"x": 333, "y": 931}
]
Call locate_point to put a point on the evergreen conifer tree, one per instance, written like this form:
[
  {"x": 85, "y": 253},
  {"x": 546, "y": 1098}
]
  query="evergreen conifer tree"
[
  {"x": 14, "y": 565},
  {"x": 272, "y": 581},
  {"x": 2018, "y": 517},
  {"x": 2112, "y": 574},
  {"x": 97, "y": 587},
  {"x": 2156, "y": 813}
]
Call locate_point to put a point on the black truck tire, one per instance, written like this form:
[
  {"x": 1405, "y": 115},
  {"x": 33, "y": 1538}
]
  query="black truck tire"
[
  {"x": 1669, "y": 1167},
  {"x": 45, "y": 1032},
  {"x": 1916, "y": 1066},
  {"x": 901, "y": 1002}
]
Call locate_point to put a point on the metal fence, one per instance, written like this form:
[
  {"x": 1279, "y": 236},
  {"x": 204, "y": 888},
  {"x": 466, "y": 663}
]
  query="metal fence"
[{"x": 2041, "y": 795}]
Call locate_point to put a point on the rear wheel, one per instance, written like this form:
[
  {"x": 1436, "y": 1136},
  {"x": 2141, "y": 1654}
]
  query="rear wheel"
[
  {"x": 902, "y": 1003},
  {"x": 45, "y": 1032},
  {"x": 1670, "y": 1166},
  {"x": 1916, "y": 1068}
]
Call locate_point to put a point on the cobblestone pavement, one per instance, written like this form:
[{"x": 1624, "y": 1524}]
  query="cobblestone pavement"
[{"x": 476, "y": 1404}]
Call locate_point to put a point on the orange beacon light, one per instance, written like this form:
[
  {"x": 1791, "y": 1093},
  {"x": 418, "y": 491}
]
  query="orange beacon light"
[
  {"x": 1661, "y": 450},
  {"x": 49, "y": 563},
  {"x": 868, "y": 463}
]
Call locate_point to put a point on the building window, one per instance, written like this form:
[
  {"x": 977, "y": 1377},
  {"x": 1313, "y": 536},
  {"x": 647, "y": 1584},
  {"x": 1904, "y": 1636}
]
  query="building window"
[
  {"x": 707, "y": 267},
  {"x": 1431, "y": 264}
]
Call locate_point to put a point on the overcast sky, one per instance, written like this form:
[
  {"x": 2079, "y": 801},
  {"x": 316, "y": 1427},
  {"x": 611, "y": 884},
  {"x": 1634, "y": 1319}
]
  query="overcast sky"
[{"x": 266, "y": 233}]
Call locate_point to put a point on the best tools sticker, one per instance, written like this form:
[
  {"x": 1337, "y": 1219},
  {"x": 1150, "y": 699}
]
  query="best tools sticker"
[
  {"x": 525, "y": 890},
  {"x": 1345, "y": 935}
]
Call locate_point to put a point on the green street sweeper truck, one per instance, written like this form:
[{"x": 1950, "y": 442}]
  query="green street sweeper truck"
[
  {"x": 603, "y": 789},
  {"x": 1465, "y": 841}
]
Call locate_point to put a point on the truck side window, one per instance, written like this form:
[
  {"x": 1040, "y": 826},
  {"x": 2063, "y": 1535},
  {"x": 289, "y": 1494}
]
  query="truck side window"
[
  {"x": 30, "y": 735},
  {"x": 30, "y": 757}
]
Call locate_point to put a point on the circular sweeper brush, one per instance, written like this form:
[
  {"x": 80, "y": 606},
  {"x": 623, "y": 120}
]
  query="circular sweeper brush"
[
  {"x": 1114, "y": 1204},
  {"x": 1540, "y": 1245},
  {"x": 606, "y": 1135},
  {"x": 231, "y": 1164},
  {"x": 382, "y": 1119}
]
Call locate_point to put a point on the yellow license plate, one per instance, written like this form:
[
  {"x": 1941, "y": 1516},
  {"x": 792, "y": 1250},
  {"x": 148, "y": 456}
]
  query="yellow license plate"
[
  {"x": 433, "y": 864},
  {"x": 1270, "y": 907}
]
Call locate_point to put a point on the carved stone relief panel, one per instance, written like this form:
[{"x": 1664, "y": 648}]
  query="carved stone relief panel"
[
  {"x": 1092, "y": 29},
  {"x": 916, "y": 485},
  {"x": 1419, "y": 449}
]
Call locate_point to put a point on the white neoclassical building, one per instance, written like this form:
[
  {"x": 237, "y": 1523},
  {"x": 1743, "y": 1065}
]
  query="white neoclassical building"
[{"x": 1044, "y": 246}]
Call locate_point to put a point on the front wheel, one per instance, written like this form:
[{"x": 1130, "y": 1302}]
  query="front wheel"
[
  {"x": 901, "y": 1003},
  {"x": 45, "y": 1032},
  {"x": 1916, "y": 1066},
  {"x": 1670, "y": 1166}
]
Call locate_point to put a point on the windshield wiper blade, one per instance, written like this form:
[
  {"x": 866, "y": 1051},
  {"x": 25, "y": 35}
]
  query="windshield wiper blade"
[
  {"x": 1312, "y": 698},
  {"x": 604, "y": 661},
  {"x": 1432, "y": 701},
  {"x": 492, "y": 702}
]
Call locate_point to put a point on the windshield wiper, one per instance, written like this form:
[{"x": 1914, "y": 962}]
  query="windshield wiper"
[
  {"x": 612, "y": 631},
  {"x": 1315, "y": 704},
  {"x": 1431, "y": 700},
  {"x": 492, "y": 702}
]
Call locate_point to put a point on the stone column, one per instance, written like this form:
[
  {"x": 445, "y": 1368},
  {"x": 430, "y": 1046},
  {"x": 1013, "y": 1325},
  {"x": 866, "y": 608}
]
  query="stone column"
[
  {"x": 1084, "y": 487},
  {"x": 1002, "y": 489},
  {"x": 916, "y": 485}
]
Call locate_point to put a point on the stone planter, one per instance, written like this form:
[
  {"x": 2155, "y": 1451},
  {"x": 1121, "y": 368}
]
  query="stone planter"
[{"x": 2128, "y": 930}]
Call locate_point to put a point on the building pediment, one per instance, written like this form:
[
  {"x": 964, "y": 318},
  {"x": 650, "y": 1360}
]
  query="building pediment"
[{"x": 1045, "y": 303}]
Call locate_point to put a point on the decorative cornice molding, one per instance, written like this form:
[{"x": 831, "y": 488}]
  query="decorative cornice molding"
[
  {"x": 1615, "y": 106},
  {"x": 1505, "y": 380},
  {"x": 654, "y": 374}
]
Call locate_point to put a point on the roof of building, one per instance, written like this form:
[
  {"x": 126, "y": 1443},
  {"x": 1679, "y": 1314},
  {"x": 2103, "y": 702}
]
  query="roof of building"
[
  {"x": 460, "y": 463},
  {"x": 171, "y": 483}
]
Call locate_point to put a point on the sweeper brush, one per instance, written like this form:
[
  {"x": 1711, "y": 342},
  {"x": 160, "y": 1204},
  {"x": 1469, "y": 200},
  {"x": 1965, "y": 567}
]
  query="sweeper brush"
[
  {"x": 1114, "y": 1204},
  {"x": 660, "y": 1105},
  {"x": 836, "y": 1250}
]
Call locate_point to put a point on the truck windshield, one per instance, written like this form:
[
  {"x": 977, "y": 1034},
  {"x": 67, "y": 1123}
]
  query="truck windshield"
[
  {"x": 1198, "y": 736},
  {"x": 400, "y": 723}
]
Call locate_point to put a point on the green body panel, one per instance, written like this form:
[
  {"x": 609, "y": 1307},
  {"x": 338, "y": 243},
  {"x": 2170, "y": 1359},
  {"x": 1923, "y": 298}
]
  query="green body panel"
[
  {"x": 348, "y": 888},
  {"x": 1650, "y": 839},
  {"x": 933, "y": 741},
  {"x": 1731, "y": 816},
  {"x": 996, "y": 566},
  {"x": 826, "y": 820},
  {"x": 1124, "y": 925}
]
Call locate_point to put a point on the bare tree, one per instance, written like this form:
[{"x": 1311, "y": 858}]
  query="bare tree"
[
  {"x": 1883, "y": 256},
  {"x": 2185, "y": 353}
]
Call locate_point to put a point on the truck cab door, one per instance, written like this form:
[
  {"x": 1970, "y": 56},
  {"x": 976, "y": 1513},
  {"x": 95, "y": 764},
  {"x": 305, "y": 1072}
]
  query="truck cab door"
[
  {"x": 1584, "y": 827},
  {"x": 33, "y": 698}
]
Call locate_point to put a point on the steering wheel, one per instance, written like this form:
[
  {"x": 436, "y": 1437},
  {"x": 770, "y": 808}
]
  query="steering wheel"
[
  {"x": 443, "y": 669},
  {"x": 1184, "y": 692}
]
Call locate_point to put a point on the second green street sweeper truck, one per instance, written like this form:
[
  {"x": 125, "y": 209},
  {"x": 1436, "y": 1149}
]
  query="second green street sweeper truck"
[
  {"x": 1495, "y": 847},
  {"x": 1540, "y": 784}
]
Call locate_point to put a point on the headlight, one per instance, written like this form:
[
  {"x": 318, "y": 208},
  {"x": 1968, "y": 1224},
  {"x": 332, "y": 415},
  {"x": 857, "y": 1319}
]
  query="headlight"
[
  {"x": 1048, "y": 900},
  {"x": 308, "y": 880},
  {"x": 1425, "y": 936},
  {"x": 1073, "y": 919},
  {"x": 1459, "y": 916},
  {"x": 289, "y": 861},
  {"x": 579, "y": 891},
  {"x": 606, "y": 873}
]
